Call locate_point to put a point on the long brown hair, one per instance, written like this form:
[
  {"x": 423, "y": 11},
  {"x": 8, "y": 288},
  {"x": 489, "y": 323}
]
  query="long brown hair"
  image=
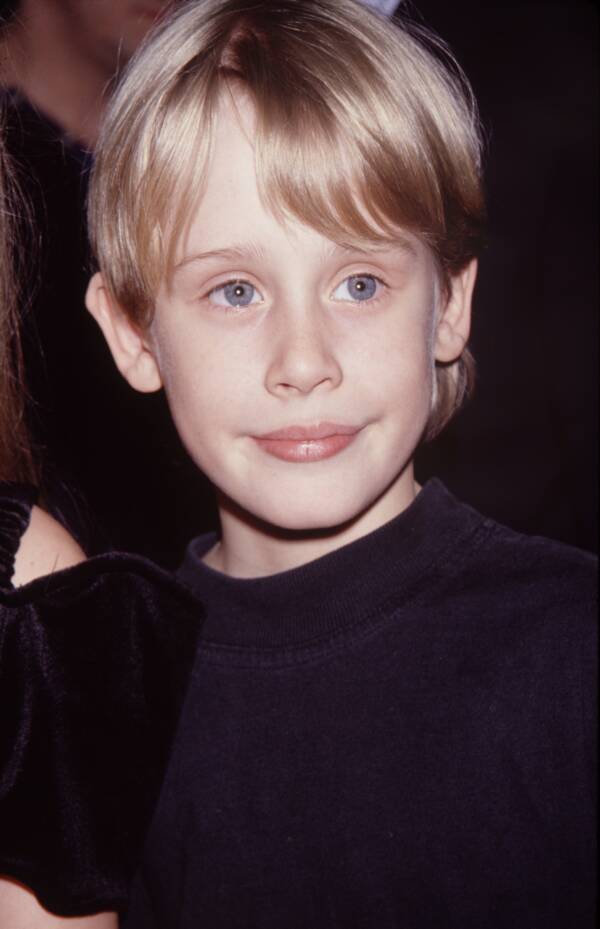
[{"x": 16, "y": 456}]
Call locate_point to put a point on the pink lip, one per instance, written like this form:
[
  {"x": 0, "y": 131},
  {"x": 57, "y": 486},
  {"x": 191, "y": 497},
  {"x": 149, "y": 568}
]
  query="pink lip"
[{"x": 307, "y": 443}]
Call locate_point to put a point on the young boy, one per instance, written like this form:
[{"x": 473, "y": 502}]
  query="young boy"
[{"x": 388, "y": 724}]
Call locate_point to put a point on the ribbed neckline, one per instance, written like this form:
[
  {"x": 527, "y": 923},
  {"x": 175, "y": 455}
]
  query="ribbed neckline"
[{"x": 336, "y": 591}]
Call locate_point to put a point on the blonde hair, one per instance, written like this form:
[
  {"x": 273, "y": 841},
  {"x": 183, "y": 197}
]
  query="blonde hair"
[
  {"x": 362, "y": 127},
  {"x": 16, "y": 457}
]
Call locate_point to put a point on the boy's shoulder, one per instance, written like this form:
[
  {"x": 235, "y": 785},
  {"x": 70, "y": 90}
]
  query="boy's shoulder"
[
  {"x": 484, "y": 542},
  {"x": 510, "y": 573},
  {"x": 533, "y": 559},
  {"x": 517, "y": 612}
]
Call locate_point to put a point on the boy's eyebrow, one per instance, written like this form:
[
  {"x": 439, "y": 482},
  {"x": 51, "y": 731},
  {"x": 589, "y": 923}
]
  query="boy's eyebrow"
[
  {"x": 398, "y": 242},
  {"x": 235, "y": 251},
  {"x": 257, "y": 251}
]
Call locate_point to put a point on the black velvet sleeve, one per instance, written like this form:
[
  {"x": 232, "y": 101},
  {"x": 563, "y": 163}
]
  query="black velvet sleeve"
[
  {"x": 94, "y": 662},
  {"x": 16, "y": 501}
]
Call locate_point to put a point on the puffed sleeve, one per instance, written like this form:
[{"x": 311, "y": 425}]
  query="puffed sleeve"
[
  {"x": 16, "y": 501},
  {"x": 94, "y": 663}
]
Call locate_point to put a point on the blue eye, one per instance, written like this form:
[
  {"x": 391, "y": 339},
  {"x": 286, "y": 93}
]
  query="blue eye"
[
  {"x": 357, "y": 287},
  {"x": 235, "y": 293}
]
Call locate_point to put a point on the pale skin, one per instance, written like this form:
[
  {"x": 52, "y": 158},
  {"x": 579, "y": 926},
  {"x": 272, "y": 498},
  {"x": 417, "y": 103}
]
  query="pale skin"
[
  {"x": 45, "y": 547},
  {"x": 302, "y": 351},
  {"x": 19, "y": 909}
]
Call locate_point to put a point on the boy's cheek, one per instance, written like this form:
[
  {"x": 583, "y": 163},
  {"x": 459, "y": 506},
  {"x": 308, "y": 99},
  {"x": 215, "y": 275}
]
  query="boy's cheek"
[{"x": 205, "y": 396}]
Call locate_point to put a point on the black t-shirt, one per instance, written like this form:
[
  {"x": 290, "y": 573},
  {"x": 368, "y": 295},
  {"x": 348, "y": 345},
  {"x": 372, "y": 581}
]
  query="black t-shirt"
[{"x": 398, "y": 734}]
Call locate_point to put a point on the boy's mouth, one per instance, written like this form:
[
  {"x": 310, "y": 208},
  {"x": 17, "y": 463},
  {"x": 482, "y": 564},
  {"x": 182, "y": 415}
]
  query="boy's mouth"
[{"x": 302, "y": 444}]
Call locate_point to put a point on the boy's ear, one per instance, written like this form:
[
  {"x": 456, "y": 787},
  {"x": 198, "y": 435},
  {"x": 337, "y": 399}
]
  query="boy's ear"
[
  {"x": 129, "y": 345},
  {"x": 454, "y": 321}
]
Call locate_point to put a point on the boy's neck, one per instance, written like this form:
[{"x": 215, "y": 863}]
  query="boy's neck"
[
  {"x": 45, "y": 62},
  {"x": 249, "y": 549}
]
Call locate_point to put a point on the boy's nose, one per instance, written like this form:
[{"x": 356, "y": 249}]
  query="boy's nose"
[{"x": 302, "y": 360}]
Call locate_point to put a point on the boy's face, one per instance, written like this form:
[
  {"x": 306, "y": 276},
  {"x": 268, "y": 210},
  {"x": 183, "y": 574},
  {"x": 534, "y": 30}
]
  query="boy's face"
[{"x": 299, "y": 373}]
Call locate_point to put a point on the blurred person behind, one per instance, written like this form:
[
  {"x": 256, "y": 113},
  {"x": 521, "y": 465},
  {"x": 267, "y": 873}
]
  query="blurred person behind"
[
  {"x": 70, "y": 818},
  {"x": 44, "y": 545},
  {"x": 16, "y": 456},
  {"x": 62, "y": 56},
  {"x": 105, "y": 452}
]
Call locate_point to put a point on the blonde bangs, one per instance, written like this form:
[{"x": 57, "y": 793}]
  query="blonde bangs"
[
  {"x": 340, "y": 156},
  {"x": 359, "y": 144}
]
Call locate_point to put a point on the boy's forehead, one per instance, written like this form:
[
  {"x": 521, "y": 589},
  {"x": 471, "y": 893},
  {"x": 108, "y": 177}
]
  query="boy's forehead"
[
  {"x": 228, "y": 203},
  {"x": 259, "y": 236},
  {"x": 233, "y": 157},
  {"x": 230, "y": 217}
]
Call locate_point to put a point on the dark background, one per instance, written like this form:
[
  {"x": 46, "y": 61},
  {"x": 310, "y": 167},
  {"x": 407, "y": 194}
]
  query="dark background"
[{"x": 524, "y": 450}]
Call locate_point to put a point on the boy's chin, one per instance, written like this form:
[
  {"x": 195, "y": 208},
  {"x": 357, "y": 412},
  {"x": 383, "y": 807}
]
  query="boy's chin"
[
  {"x": 316, "y": 518},
  {"x": 317, "y": 510}
]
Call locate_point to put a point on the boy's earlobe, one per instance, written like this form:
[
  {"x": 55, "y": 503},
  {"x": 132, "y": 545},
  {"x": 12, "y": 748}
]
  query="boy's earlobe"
[
  {"x": 128, "y": 344},
  {"x": 454, "y": 322}
]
